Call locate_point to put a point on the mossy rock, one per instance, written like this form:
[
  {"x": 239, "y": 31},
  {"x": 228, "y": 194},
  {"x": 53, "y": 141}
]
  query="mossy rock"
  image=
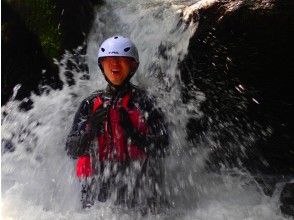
[
  {"x": 59, "y": 24},
  {"x": 23, "y": 58},
  {"x": 33, "y": 33},
  {"x": 41, "y": 18}
]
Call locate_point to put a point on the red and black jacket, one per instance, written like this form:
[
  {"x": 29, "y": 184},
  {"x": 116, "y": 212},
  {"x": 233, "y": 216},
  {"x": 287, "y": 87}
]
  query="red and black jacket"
[{"x": 112, "y": 142}]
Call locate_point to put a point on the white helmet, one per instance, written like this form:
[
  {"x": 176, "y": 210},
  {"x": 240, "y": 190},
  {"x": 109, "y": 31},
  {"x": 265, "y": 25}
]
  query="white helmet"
[{"x": 118, "y": 46}]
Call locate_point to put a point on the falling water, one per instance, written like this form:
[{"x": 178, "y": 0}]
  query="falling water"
[{"x": 38, "y": 179}]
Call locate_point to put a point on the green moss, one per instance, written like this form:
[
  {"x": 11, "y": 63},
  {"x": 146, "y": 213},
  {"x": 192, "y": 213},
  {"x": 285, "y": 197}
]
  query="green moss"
[{"x": 41, "y": 17}]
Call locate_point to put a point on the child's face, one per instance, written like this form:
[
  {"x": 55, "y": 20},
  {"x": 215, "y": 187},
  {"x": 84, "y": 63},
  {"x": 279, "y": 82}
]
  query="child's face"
[{"x": 117, "y": 69}]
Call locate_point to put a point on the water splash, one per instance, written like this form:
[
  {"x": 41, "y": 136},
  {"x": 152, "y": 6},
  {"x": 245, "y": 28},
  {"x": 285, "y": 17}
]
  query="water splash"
[{"x": 38, "y": 180}]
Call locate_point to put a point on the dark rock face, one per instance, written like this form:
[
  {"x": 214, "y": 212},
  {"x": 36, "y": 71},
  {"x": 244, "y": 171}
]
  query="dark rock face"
[
  {"x": 287, "y": 199},
  {"x": 22, "y": 58},
  {"x": 29, "y": 46},
  {"x": 75, "y": 20},
  {"x": 243, "y": 62}
]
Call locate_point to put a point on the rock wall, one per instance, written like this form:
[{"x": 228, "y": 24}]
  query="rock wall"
[
  {"x": 23, "y": 59},
  {"x": 242, "y": 59},
  {"x": 33, "y": 33}
]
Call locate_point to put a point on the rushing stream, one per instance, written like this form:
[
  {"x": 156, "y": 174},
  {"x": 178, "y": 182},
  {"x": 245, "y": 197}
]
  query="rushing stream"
[{"x": 38, "y": 179}]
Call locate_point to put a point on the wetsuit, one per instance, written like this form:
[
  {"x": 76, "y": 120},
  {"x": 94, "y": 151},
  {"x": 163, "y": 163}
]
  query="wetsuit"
[{"x": 131, "y": 131}]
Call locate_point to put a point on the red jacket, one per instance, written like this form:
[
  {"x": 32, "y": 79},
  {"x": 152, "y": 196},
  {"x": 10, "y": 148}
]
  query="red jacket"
[
  {"x": 112, "y": 141},
  {"x": 113, "y": 145}
]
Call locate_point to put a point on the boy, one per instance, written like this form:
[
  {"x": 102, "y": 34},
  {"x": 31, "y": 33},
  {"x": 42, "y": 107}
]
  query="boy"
[{"x": 118, "y": 136}]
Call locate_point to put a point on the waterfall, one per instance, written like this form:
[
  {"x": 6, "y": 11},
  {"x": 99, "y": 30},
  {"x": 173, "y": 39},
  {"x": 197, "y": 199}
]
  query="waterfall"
[{"x": 38, "y": 179}]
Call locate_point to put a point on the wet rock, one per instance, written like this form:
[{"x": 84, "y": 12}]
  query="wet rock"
[
  {"x": 33, "y": 33},
  {"x": 76, "y": 19},
  {"x": 242, "y": 59},
  {"x": 287, "y": 199},
  {"x": 23, "y": 60},
  {"x": 59, "y": 25}
]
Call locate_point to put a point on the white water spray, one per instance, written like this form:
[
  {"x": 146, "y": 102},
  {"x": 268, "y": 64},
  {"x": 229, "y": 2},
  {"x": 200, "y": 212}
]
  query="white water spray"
[{"x": 38, "y": 179}]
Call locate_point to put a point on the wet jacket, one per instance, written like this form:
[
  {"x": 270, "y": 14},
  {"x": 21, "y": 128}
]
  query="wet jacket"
[{"x": 114, "y": 144}]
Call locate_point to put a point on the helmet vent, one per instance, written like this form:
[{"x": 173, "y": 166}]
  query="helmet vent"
[
  {"x": 115, "y": 37},
  {"x": 102, "y": 49},
  {"x": 127, "y": 49}
]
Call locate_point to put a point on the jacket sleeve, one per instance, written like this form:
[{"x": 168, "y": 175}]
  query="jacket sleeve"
[
  {"x": 79, "y": 138},
  {"x": 157, "y": 138},
  {"x": 156, "y": 141}
]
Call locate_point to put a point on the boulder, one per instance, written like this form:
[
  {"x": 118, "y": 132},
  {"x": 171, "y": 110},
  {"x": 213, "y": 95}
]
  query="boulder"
[{"x": 241, "y": 56}]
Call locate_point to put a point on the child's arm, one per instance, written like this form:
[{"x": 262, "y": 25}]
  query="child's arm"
[
  {"x": 155, "y": 142},
  {"x": 77, "y": 142},
  {"x": 84, "y": 129},
  {"x": 158, "y": 132}
]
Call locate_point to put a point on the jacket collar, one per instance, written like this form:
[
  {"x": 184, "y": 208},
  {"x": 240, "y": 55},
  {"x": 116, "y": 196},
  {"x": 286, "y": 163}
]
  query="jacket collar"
[{"x": 118, "y": 91}]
